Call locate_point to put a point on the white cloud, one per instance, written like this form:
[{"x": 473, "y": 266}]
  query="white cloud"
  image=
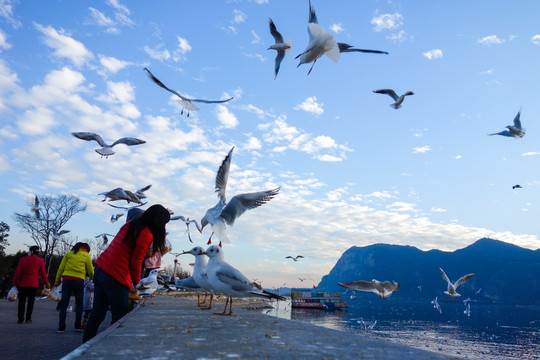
[
  {"x": 183, "y": 45},
  {"x": 6, "y": 11},
  {"x": 422, "y": 149},
  {"x": 457, "y": 157},
  {"x": 337, "y": 28},
  {"x": 256, "y": 38},
  {"x": 253, "y": 144},
  {"x": 253, "y": 109},
  {"x": 487, "y": 72},
  {"x": 535, "y": 39},
  {"x": 226, "y": 117},
  {"x": 310, "y": 105},
  {"x": 65, "y": 46},
  {"x": 239, "y": 17},
  {"x": 437, "y": 209},
  {"x": 531, "y": 153},
  {"x": 3, "y": 41},
  {"x": 399, "y": 37},
  {"x": 387, "y": 22},
  {"x": 158, "y": 53},
  {"x": 490, "y": 40},
  {"x": 433, "y": 54},
  {"x": 401, "y": 206},
  {"x": 101, "y": 19},
  {"x": 113, "y": 65},
  {"x": 122, "y": 95}
]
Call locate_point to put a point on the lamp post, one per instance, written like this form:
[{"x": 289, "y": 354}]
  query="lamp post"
[{"x": 176, "y": 255}]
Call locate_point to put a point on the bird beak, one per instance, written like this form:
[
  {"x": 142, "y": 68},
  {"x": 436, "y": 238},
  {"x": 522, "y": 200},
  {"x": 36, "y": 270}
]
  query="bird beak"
[
  {"x": 185, "y": 252},
  {"x": 203, "y": 253}
]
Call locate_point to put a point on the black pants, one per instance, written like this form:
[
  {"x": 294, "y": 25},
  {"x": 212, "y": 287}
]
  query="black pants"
[{"x": 26, "y": 293}]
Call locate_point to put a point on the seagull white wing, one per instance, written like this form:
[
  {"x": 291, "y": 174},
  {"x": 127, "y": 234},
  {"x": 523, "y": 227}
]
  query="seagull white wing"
[
  {"x": 464, "y": 279},
  {"x": 233, "y": 278},
  {"x": 273, "y": 30},
  {"x": 312, "y": 14},
  {"x": 178, "y": 217},
  {"x": 443, "y": 274},
  {"x": 223, "y": 175},
  {"x": 129, "y": 141},
  {"x": 389, "y": 92},
  {"x": 504, "y": 133},
  {"x": 242, "y": 202},
  {"x": 360, "y": 285},
  {"x": 89, "y": 136},
  {"x": 144, "y": 188},
  {"x": 517, "y": 121}
]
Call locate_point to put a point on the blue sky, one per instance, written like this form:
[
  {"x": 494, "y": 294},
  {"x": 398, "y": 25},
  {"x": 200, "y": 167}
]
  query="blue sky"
[{"x": 352, "y": 171}]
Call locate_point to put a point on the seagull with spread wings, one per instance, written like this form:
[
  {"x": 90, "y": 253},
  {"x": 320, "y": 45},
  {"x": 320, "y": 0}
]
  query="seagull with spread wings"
[
  {"x": 280, "y": 45},
  {"x": 185, "y": 102},
  {"x": 35, "y": 207},
  {"x": 225, "y": 213},
  {"x": 383, "y": 289},
  {"x": 452, "y": 287},
  {"x": 397, "y": 98},
  {"x": 114, "y": 218},
  {"x": 106, "y": 149},
  {"x": 187, "y": 221},
  {"x": 515, "y": 131},
  {"x": 295, "y": 258}
]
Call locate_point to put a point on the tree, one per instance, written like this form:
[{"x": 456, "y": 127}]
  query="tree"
[
  {"x": 4, "y": 229},
  {"x": 47, "y": 219}
]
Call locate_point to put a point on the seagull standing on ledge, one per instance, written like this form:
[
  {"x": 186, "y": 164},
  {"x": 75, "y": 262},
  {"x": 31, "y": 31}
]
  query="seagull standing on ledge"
[
  {"x": 398, "y": 99},
  {"x": 515, "y": 131},
  {"x": 229, "y": 281},
  {"x": 200, "y": 276},
  {"x": 452, "y": 287},
  {"x": 106, "y": 150},
  {"x": 281, "y": 46}
]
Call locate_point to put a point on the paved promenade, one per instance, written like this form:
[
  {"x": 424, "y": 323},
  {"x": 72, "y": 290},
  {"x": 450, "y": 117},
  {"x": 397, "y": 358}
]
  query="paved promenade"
[
  {"x": 38, "y": 340},
  {"x": 174, "y": 328}
]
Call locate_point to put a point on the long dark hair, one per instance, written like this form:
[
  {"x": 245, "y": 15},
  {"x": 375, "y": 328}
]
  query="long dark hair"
[
  {"x": 154, "y": 218},
  {"x": 79, "y": 245}
]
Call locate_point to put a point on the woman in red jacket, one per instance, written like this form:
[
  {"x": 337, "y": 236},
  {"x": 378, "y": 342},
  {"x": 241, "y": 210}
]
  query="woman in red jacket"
[
  {"x": 118, "y": 268},
  {"x": 26, "y": 279}
]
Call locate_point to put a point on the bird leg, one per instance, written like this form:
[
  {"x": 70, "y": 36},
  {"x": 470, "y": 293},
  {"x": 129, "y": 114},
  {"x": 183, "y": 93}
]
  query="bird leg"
[
  {"x": 152, "y": 299},
  {"x": 227, "y": 302},
  {"x": 210, "y": 239},
  {"x": 305, "y": 52},
  {"x": 182, "y": 112},
  {"x": 311, "y": 68},
  {"x": 199, "y": 303}
]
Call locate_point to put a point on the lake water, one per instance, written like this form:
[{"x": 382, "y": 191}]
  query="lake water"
[{"x": 489, "y": 332}]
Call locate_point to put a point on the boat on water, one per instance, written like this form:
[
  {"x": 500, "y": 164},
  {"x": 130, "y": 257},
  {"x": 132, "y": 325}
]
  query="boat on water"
[{"x": 316, "y": 299}]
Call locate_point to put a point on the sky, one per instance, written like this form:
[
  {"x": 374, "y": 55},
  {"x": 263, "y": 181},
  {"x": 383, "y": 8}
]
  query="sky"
[{"x": 352, "y": 171}]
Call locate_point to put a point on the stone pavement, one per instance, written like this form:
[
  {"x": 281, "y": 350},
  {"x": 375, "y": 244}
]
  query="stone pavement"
[
  {"x": 38, "y": 340},
  {"x": 174, "y": 328}
]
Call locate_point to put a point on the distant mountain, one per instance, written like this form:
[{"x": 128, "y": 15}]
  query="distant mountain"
[{"x": 505, "y": 273}]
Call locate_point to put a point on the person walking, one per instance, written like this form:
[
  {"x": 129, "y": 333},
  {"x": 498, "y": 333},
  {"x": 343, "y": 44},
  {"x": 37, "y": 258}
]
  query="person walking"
[
  {"x": 118, "y": 268},
  {"x": 75, "y": 266},
  {"x": 26, "y": 279},
  {"x": 88, "y": 300}
]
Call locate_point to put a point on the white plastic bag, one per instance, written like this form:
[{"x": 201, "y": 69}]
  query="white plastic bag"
[
  {"x": 12, "y": 294},
  {"x": 56, "y": 293}
]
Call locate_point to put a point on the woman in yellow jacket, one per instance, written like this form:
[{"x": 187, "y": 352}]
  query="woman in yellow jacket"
[{"x": 75, "y": 265}]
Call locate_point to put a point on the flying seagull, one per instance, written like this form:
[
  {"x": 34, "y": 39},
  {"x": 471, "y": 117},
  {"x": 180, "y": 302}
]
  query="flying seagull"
[
  {"x": 295, "y": 259},
  {"x": 398, "y": 99},
  {"x": 343, "y": 47},
  {"x": 114, "y": 218},
  {"x": 436, "y": 305},
  {"x": 57, "y": 235},
  {"x": 281, "y": 46},
  {"x": 452, "y": 287},
  {"x": 35, "y": 208},
  {"x": 105, "y": 240},
  {"x": 185, "y": 102},
  {"x": 229, "y": 281},
  {"x": 224, "y": 213},
  {"x": 320, "y": 42},
  {"x": 515, "y": 131},
  {"x": 106, "y": 150},
  {"x": 120, "y": 194},
  {"x": 383, "y": 289},
  {"x": 517, "y": 186},
  {"x": 187, "y": 221}
]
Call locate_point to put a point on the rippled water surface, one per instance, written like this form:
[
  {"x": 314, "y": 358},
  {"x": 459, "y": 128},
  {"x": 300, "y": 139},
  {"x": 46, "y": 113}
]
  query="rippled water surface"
[{"x": 489, "y": 332}]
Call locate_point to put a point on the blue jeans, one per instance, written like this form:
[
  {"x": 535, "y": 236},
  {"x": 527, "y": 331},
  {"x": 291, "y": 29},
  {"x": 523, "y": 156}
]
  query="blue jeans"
[
  {"x": 107, "y": 293},
  {"x": 69, "y": 287}
]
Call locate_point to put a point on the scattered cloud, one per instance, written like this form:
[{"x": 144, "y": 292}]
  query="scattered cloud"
[
  {"x": 227, "y": 119},
  {"x": 256, "y": 38},
  {"x": 387, "y": 22},
  {"x": 535, "y": 39},
  {"x": 158, "y": 53},
  {"x": 182, "y": 49},
  {"x": 457, "y": 157},
  {"x": 437, "y": 209},
  {"x": 112, "y": 64},
  {"x": 310, "y": 105},
  {"x": 239, "y": 17},
  {"x": 487, "y": 72},
  {"x": 3, "y": 41},
  {"x": 433, "y": 54},
  {"x": 6, "y": 12},
  {"x": 531, "y": 153},
  {"x": 421, "y": 149},
  {"x": 399, "y": 37},
  {"x": 401, "y": 206},
  {"x": 65, "y": 46},
  {"x": 490, "y": 40},
  {"x": 337, "y": 28},
  {"x": 112, "y": 24}
]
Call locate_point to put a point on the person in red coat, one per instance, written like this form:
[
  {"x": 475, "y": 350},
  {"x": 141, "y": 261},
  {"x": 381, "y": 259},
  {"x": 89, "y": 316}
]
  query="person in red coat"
[
  {"x": 26, "y": 279},
  {"x": 118, "y": 268}
]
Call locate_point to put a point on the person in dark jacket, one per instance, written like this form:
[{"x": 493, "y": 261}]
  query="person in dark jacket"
[{"x": 26, "y": 279}]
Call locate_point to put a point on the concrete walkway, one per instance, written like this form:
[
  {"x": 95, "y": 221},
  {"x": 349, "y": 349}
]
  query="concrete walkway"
[{"x": 174, "y": 328}]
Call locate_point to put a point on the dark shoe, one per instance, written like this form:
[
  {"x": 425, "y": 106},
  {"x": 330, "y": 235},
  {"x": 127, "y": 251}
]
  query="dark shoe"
[
  {"x": 19, "y": 322},
  {"x": 28, "y": 321},
  {"x": 60, "y": 331},
  {"x": 79, "y": 329}
]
